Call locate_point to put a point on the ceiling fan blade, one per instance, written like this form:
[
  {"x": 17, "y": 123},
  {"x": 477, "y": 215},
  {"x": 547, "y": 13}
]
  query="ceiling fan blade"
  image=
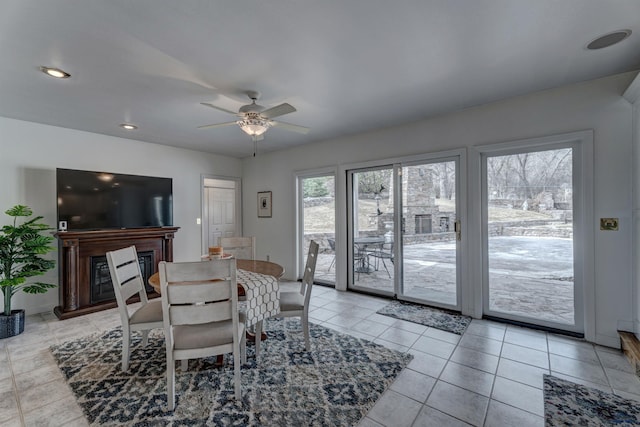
[
  {"x": 217, "y": 125},
  {"x": 219, "y": 108},
  {"x": 289, "y": 126},
  {"x": 278, "y": 110}
]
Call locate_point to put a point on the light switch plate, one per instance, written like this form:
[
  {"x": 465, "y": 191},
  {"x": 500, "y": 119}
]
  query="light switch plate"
[{"x": 609, "y": 224}]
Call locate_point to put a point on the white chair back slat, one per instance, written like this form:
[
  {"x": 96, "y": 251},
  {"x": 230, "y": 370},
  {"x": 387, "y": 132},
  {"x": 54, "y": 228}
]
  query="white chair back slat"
[
  {"x": 188, "y": 292},
  {"x": 127, "y": 271},
  {"x": 193, "y": 314},
  {"x": 131, "y": 288},
  {"x": 123, "y": 255}
]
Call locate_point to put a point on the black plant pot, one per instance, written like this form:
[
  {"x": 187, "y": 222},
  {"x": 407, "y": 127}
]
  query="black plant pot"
[{"x": 12, "y": 325}]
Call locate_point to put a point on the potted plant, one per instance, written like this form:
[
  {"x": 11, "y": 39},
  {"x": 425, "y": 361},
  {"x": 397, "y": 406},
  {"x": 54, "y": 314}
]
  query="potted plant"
[{"x": 22, "y": 246}]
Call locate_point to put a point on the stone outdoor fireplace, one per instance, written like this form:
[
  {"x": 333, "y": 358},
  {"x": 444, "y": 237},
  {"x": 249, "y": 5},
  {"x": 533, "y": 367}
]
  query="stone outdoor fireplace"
[{"x": 85, "y": 281}]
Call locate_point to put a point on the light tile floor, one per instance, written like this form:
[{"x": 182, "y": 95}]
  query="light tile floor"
[{"x": 491, "y": 376}]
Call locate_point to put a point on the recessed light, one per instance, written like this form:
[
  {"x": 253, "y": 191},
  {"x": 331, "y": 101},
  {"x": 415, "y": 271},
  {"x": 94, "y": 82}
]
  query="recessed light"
[
  {"x": 609, "y": 39},
  {"x": 128, "y": 126},
  {"x": 55, "y": 72}
]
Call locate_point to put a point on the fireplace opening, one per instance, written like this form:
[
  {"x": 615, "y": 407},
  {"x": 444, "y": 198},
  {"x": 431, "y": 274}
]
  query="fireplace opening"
[{"x": 101, "y": 286}]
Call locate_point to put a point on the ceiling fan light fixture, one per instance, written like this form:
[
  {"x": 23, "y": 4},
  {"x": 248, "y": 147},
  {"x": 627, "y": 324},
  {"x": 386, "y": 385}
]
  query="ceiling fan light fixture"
[
  {"x": 55, "y": 72},
  {"x": 253, "y": 126}
]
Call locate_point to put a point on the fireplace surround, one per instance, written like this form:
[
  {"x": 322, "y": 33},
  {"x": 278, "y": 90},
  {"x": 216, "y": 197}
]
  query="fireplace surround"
[{"x": 85, "y": 283}]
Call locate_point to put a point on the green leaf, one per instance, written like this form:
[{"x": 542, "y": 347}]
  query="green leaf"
[
  {"x": 19, "y": 210},
  {"x": 38, "y": 288}
]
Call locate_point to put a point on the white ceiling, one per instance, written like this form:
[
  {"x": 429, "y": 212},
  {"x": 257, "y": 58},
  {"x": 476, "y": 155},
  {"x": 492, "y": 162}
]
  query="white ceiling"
[{"x": 347, "y": 66}]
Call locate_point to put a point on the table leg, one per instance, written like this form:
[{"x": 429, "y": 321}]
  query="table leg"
[
  {"x": 258, "y": 339},
  {"x": 252, "y": 336}
]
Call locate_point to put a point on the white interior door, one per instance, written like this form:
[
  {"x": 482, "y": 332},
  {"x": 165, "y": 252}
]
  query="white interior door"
[{"x": 220, "y": 211}]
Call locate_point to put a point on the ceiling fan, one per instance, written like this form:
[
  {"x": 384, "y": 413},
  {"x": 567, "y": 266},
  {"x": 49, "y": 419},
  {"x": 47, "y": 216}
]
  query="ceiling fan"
[{"x": 254, "y": 119}]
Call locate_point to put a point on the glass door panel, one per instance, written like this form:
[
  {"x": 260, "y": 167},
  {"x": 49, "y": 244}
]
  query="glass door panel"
[
  {"x": 529, "y": 237},
  {"x": 429, "y": 244},
  {"x": 318, "y": 219},
  {"x": 371, "y": 231}
]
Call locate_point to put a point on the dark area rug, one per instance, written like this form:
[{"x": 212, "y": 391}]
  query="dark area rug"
[
  {"x": 571, "y": 404},
  {"x": 428, "y": 316},
  {"x": 333, "y": 385}
]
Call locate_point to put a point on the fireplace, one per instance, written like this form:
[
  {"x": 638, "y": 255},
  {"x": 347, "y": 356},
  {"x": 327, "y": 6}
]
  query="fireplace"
[
  {"x": 85, "y": 282},
  {"x": 100, "y": 282}
]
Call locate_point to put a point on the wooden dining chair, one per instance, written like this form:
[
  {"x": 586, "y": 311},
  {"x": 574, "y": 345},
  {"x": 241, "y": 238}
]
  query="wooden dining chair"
[
  {"x": 239, "y": 247},
  {"x": 127, "y": 281},
  {"x": 296, "y": 304},
  {"x": 200, "y": 312}
]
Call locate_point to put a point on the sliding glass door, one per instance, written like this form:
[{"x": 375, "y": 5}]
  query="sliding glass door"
[
  {"x": 372, "y": 230},
  {"x": 430, "y": 243},
  {"x": 316, "y": 212},
  {"x": 403, "y": 221},
  {"x": 528, "y": 211}
]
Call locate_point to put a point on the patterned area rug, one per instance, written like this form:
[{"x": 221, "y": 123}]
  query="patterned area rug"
[
  {"x": 428, "y": 316},
  {"x": 570, "y": 404},
  {"x": 333, "y": 385}
]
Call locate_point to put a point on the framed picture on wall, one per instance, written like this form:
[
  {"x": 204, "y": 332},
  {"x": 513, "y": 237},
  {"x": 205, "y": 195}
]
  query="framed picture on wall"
[{"x": 264, "y": 204}]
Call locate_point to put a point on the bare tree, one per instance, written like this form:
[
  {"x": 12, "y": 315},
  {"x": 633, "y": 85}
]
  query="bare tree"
[{"x": 527, "y": 174}]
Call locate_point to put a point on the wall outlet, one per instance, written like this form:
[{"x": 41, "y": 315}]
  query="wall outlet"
[
  {"x": 609, "y": 224},
  {"x": 198, "y": 221}
]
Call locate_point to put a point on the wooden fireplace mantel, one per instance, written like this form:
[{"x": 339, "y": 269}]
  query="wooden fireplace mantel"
[{"x": 76, "y": 249}]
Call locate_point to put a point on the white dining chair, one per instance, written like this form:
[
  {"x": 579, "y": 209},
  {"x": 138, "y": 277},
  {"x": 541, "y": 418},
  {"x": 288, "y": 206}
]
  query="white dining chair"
[
  {"x": 127, "y": 281},
  {"x": 241, "y": 247},
  {"x": 296, "y": 304},
  {"x": 200, "y": 312}
]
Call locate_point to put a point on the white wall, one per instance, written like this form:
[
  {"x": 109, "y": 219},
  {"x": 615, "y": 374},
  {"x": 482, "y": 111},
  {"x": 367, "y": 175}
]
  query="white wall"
[
  {"x": 632, "y": 94},
  {"x": 636, "y": 215},
  {"x": 596, "y": 105},
  {"x": 30, "y": 154}
]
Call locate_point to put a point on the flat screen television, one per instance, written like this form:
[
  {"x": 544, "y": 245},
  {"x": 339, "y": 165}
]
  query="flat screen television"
[{"x": 90, "y": 200}]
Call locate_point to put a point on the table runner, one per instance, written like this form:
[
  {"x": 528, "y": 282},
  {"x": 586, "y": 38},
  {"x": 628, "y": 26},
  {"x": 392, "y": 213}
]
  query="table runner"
[{"x": 262, "y": 295}]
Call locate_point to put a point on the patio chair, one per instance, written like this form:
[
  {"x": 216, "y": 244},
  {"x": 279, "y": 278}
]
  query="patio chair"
[
  {"x": 383, "y": 253},
  {"x": 127, "y": 281},
  {"x": 360, "y": 260},
  {"x": 332, "y": 245},
  {"x": 200, "y": 311}
]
